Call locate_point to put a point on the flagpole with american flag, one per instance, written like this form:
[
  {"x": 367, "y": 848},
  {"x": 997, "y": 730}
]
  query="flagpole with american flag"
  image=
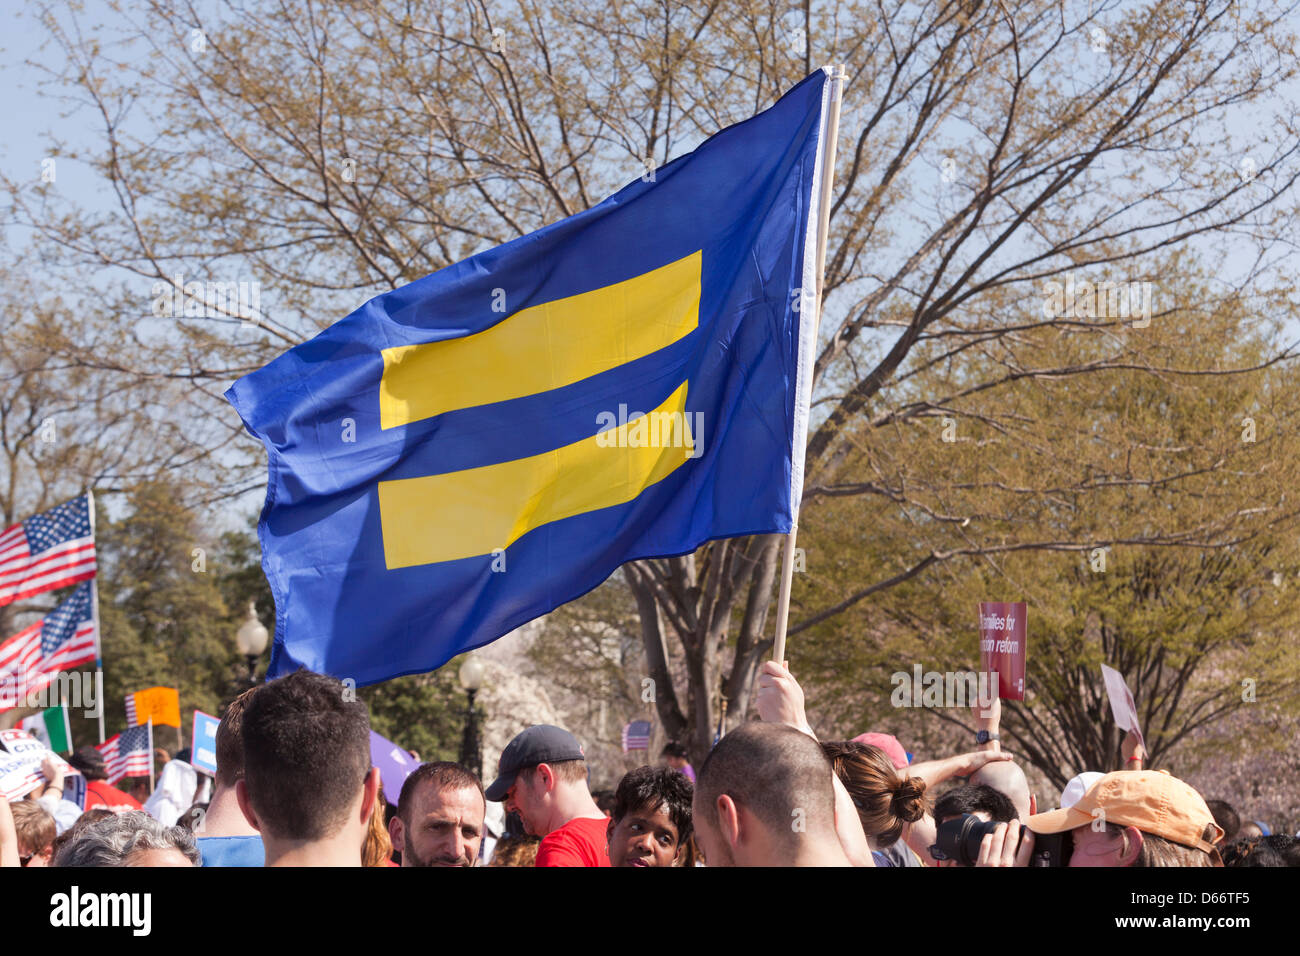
[
  {"x": 129, "y": 753},
  {"x": 94, "y": 612}
]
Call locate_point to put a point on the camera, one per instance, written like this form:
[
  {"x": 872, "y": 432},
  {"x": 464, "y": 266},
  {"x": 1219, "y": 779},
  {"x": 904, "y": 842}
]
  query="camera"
[{"x": 959, "y": 840}]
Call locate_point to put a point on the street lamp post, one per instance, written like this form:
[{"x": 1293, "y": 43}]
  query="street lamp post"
[
  {"x": 471, "y": 678},
  {"x": 251, "y": 640}
]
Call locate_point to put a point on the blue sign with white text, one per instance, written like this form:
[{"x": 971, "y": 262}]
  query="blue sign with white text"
[{"x": 203, "y": 743}]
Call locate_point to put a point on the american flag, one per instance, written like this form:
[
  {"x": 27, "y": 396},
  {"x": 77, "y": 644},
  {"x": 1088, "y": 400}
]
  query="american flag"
[
  {"x": 129, "y": 753},
  {"x": 636, "y": 736},
  {"x": 49, "y": 550},
  {"x": 59, "y": 641},
  {"x": 130, "y": 711}
]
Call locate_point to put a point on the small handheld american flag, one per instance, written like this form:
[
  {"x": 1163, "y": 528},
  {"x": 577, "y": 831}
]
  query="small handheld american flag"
[
  {"x": 636, "y": 736},
  {"x": 47, "y": 551},
  {"x": 128, "y": 754}
]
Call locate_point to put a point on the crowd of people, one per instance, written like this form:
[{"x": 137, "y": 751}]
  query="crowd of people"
[{"x": 295, "y": 787}]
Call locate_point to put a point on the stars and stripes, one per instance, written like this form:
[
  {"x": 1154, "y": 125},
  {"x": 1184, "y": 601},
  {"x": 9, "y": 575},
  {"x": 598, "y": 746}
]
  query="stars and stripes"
[
  {"x": 129, "y": 753},
  {"x": 636, "y": 736},
  {"x": 130, "y": 711},
  {"x": 61, "y": 640},
  {"x": 47, "y": 551}
]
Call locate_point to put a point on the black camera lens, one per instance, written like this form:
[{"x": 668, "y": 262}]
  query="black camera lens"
[{"x": 959, "y": 839}]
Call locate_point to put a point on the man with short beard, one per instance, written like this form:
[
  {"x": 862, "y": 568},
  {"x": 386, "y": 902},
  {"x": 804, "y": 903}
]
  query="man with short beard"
[{"x": 439, "y": 818}]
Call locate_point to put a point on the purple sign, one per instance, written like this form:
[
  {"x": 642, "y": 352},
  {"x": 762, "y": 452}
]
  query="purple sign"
[{"x": 394, "y": 763}]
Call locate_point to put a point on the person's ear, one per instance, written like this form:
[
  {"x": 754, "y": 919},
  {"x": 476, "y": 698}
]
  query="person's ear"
[
  {"x": 396, "y": 834},
  {"x": 728, "y": 820},
  {"x": 546, "y": 776},
  {"x": 609, "y": 829},
  {"x": 1131, "y": 846},
  {"x": 369, "y": 793},
  {"x": 1033, "y": 804},
  {"x": 245, "y": 807}
]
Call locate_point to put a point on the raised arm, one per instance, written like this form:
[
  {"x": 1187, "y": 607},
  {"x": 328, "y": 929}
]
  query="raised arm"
[
  {"x": 920, "y": 836},
  {"x": 8, "y": 836},
  {"x": 780, "y": 701},
  {"x": 1134, "y": 754}
]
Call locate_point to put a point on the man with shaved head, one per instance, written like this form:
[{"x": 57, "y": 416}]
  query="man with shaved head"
[
  {"x": 1004, "y": 777},
  {"x": 765, "y": 797},
  {"x": 1009, "y": 780}
]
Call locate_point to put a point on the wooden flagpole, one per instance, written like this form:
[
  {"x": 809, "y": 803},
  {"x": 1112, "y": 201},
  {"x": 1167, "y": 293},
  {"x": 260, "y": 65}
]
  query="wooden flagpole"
[
  {"x": 94, "y": 613},
  {"x": 830, "y": 137}
]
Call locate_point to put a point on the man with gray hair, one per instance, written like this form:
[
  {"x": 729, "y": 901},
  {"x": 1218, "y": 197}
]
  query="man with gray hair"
[{"x": 132, "y": 838}]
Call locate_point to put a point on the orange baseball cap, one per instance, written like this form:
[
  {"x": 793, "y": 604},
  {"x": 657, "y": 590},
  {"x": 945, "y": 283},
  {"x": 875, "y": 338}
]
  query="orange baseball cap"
[{"x": 1151, "y": 800}]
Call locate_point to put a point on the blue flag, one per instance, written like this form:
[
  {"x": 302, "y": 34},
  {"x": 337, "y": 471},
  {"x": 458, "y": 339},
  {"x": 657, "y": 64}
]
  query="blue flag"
[{"x": 470, "y": 451}]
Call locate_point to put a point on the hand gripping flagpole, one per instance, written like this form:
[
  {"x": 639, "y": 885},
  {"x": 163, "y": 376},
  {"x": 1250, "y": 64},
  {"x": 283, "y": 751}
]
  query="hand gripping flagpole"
[
  {"x": 94, "y": 613},
  {"x": 826, "y": 161}
]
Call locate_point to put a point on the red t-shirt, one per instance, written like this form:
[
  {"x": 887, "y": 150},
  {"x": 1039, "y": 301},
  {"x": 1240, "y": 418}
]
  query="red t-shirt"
[
  {"x": 100, "y": 794},
  {"x": 580, "y": 842}
]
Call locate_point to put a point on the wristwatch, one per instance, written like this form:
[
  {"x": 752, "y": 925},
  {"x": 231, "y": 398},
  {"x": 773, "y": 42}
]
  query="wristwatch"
[{"x": 983, "y": 737}]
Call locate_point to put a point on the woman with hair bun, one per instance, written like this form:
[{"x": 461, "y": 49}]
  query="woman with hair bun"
[{"x": 887, "y": 800}]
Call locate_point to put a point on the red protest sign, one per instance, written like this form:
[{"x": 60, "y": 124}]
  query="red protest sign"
[{"x": 1002, "y": 645}]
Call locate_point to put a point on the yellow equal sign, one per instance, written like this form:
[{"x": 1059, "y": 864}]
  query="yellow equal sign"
[
  {"x": 543, "y": 347},
  {"x": 469, "y": 513}
]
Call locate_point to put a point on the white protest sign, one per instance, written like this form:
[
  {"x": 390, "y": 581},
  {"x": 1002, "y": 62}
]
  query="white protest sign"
[
  {"x": 1121, "y": 702},
  {"x": 20, "y": 763}
]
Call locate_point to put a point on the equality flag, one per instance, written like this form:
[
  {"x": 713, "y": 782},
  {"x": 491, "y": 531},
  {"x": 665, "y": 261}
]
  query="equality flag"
[
  {"x": 57, "y": 642},
  {"x": 163, "y": 704},
  {"x": 465, "y": 453},
  {"x": 128, "y": 754},
  {"x": 52, "y": 728},
  {"x": 47, "y": 551},
  {"x": 636, "y": 736}
]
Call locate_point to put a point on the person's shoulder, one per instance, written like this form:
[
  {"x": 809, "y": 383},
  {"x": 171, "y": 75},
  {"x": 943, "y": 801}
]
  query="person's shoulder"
[
  {"x": 557, "y": 849},
  {"x": 565, "y": 836},
  {"x": 580, "y": 842},
  {"x": 232, "y": 851}
]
